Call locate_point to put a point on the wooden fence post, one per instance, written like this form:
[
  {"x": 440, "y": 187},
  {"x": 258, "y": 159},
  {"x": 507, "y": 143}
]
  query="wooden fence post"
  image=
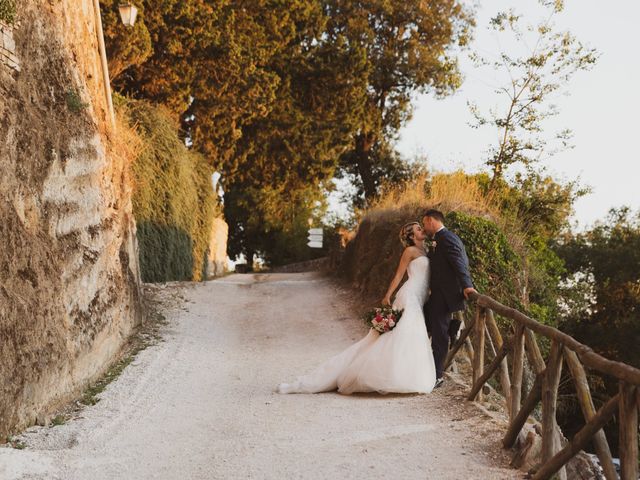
[
  {"x": 578, "y": 357},
  {"x": 494, "y": 332},
  {"x": 520, "y": 418},
  {"x": 588, "y": 410},
  {"x": 518, "y": 369},
  {"x": 550, "y": 440},
  {"x": 478, "y": 347},
  {"x": 579, "y": 441},
  {"x": 476, "y": 388},
  {"x": 464, "y": 337},
  {"x": 628, "y": 432},
  {"x": 533, "y": 351}
]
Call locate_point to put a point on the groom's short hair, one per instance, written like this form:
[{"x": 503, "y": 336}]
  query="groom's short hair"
[{"x": 433, "y": 213}]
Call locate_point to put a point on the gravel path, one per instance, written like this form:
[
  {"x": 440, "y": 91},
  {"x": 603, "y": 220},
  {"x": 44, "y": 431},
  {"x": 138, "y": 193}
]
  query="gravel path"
[{"x": 200, "y": 405}]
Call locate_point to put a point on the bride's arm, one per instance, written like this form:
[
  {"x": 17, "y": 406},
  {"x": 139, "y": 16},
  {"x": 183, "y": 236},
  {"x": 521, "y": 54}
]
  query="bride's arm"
[{"x": 407, "y": 256}]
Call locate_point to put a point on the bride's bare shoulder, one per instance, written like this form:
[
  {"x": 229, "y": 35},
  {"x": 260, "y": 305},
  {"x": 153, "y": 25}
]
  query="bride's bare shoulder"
[{"x": 411, "y": 252}]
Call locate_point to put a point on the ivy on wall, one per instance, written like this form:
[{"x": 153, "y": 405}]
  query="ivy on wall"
[{"x": 174, "y": 202}]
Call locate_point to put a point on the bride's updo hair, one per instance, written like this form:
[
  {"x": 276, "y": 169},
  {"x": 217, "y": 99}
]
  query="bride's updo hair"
[{"x": 406, "y": 234}]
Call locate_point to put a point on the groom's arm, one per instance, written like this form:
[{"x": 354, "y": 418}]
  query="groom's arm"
[{"x": 454, "y": 251}]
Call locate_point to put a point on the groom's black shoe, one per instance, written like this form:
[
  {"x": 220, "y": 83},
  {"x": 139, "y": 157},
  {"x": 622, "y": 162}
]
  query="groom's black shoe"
[{"x": 439, "y": 383}]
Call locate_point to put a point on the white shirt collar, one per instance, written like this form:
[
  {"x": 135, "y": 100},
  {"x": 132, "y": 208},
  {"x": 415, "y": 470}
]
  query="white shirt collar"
[{"x": 441, "y": 228}]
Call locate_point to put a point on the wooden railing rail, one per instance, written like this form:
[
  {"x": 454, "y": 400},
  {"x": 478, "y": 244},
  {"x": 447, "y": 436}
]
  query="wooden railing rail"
[{"x": 481, "y": 336}]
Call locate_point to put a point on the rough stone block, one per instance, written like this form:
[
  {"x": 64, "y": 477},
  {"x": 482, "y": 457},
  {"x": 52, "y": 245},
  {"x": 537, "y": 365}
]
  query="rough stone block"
[{"x": 9, "y": 43}]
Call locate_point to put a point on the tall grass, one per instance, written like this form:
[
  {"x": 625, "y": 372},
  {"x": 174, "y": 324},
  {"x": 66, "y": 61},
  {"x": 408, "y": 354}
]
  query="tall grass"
[
  {"x": 495, "y": 242},
  {"x": 455, "y": 191},
  {"x": 448, "y": 192}
]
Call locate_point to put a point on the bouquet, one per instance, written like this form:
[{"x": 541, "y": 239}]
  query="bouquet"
[{"x": 382, "y": 319}]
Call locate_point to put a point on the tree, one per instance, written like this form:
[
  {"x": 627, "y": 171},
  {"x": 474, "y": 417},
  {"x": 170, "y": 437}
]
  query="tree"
[
  {"x": 126, "y": 47},
  {"x": 538, "y": 203},
  {"x": 534, "y": 79},
  {"x": 207, "y": 63},
  {"x": 408, "y": 48},
  {"x": 284, "y": 158},
  {"x": 603, "y": 265},
  {"x": 275, "y": 93},
  {"x": 387, "y": 167}
]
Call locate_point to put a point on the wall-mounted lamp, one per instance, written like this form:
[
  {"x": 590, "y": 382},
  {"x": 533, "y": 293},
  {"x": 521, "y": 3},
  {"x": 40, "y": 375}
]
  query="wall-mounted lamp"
[{"x": 128, "y": 13}]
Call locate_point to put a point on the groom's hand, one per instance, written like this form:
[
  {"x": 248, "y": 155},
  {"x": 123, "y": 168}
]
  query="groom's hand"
[{"x": 469, "y": 291}]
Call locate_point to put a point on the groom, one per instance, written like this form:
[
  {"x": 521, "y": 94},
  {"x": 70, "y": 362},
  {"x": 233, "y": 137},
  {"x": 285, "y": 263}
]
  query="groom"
[{"x": 450, "y": 285}]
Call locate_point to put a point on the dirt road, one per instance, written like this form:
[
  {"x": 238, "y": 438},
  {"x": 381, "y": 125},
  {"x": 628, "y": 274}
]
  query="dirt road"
[{"x": 200, "y": 405}]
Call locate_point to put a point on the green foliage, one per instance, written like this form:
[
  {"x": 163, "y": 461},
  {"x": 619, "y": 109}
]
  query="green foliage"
[
  {"x": 274, "y": 92},
  {"x": 74, "y": 101},
  {"x": 7, "y": 11},
  {"x": 603, "y": 265},
  {"x": 371, "y": 258},
  {"x": 544, "y": 276},
  {"x": 173, "y": 202},
  {"x": 58, "y": 420},
  {"x": 272, "y": 223},
  {"x": 536, "y": 208},
  {"x": 602, "y": 300},
  {"x": 15, "y": 443},
  {"x": 406, "y": 47},
  {"x": 539, "y": 204},
  {"x": 495, "y": 267},
  {"x": 127, "y": 47},
  {"x": 205, "y": 61},
  {"x": 274, "y": 183}
]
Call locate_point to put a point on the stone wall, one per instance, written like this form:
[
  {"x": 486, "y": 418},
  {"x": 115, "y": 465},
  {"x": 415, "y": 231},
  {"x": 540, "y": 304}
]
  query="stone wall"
[
  {"x": 69, "y": 277},
  {"x": 217, "y": 252},
  {"x": 8, "y": 48}
]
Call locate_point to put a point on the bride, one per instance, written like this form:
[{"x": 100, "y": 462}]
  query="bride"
[{"x": 399, "y": 361}]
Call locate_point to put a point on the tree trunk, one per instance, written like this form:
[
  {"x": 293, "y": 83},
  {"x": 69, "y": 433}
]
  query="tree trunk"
[
  {"x": 364, "y": 144},
  {"x": 250, "y": 255}
]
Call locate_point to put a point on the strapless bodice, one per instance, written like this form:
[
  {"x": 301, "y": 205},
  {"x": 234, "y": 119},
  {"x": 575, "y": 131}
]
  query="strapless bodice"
[
  {"x": 416, "y": 287},
  {"x": 418, "y": 266}
]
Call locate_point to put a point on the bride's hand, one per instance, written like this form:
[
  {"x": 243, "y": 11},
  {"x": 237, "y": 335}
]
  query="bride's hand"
[{"x": 386, "y": 301}]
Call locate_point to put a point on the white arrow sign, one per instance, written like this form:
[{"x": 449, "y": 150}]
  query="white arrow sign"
[
  {"x": 315, "y": 244},
  {"x": 315, "y": 238},
  {"x": 315, "y": 231}
]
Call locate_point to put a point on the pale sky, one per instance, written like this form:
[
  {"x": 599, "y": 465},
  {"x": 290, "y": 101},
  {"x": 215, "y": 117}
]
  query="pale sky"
[{"x": 602, "y": 109}]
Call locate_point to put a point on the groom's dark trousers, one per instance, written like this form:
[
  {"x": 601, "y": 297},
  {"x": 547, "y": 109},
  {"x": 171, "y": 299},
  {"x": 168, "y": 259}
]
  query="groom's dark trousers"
[
  {"x": 438, "y": 317},
  {"x": 449, "y": 276}
]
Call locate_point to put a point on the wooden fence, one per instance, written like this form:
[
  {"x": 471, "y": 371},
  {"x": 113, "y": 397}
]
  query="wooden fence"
[{"x": 564, "y": 350}]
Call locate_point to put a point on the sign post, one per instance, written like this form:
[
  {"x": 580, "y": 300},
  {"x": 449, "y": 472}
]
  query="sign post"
[{"x": 315, "y": 238}]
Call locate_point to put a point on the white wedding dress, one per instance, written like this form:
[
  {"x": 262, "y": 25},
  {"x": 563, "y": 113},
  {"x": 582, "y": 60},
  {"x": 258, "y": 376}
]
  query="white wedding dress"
[{"x": 399, "y": 361}]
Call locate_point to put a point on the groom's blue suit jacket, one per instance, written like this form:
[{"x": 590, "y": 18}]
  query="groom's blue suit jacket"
[{"x": 450, "y": 269}]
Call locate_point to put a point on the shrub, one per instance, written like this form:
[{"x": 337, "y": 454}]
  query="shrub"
[
  {"x": 495, "y": 266},
  {"x": 372, "y": 256},
  {"x": 173, "y": 202},
  {"x": 74, "y": 101},
  {"x": 509, "y": 260}
]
